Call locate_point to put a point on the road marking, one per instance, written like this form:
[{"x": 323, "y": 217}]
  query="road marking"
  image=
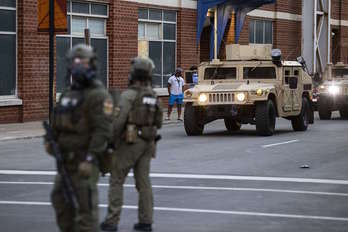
[
  {"x": 201, "y": 177},
  {"x": 188, "y": 210},
  {"x": 7, "y": 138},
  {"x": 196, "y": 188},
  {"x": 24, "y": 172},
  {"x": 281, "y": 143},
  {"x": 26, "y": 183},
  {"x": 246, "y": 190}
]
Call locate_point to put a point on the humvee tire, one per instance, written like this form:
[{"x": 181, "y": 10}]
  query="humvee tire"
[
  {"x": 344, "y": 113},
  {"x": 265, "y": 117},
  {"x": 301, "y": 122},
  {"x": 192, "y": 121},
  {"x": 324, "y": 108},
  {"x": 232, "y": 125}
]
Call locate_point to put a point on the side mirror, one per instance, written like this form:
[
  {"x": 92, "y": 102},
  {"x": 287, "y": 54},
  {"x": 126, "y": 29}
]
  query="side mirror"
[
  {"x": 301, "y": 60},
  {"x": 293, "y": 82},
  {"x": 317, "y": 78}
]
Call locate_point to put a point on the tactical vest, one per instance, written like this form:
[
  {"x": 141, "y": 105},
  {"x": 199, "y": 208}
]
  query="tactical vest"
[
  {"x": 145, "y": 115},
  {"x": 70, "y": 115},
  {"x": 71, "y": 127},
  {"x": 73, "y": 130}
]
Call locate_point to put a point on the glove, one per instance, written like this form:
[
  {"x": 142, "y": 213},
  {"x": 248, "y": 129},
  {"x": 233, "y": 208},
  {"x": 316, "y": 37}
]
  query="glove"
[
  {"x": 48, "y": 148},
  {"x": 86, "y": 167}
]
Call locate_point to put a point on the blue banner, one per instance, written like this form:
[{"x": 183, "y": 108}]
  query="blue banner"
[{"x": 225, "y": 7}]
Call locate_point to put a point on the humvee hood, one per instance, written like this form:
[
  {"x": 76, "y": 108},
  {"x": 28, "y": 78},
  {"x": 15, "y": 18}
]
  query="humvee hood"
[{"x": 242, "y": 86}]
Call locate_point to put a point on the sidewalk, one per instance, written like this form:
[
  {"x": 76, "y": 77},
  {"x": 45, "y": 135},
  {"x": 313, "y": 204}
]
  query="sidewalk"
[
  {"x": 26, "y": 130},
  {"x": 29, "y": 130}
]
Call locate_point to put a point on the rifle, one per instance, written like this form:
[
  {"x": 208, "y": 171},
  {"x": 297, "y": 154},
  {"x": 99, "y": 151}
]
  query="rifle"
[
  {"x": 158, "y": 138},
  {"x": 68, "y": 190}
]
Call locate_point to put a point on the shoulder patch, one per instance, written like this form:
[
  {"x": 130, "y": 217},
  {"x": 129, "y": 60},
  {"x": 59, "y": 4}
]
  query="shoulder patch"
[
  {"x": 149, "y": 101},
  {"x": 108, "y": 107}
]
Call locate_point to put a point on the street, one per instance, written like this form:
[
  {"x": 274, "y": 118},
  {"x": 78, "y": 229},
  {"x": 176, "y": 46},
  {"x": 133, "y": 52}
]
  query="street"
[{"x": 223, "y": 182}]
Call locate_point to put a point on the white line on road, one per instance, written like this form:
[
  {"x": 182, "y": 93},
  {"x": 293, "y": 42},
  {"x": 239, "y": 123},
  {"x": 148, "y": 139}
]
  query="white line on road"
[
  {"x": 281, "y": 143},
  {"x": 7, "y": 138},
  {"x": 202, "y": 177},
  {"x": 198, "y": 188},
  {"x": 188, "y": 210},
  {"x": 23, "y": 172}
]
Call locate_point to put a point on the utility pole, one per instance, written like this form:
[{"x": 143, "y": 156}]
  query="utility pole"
[
  {"x": 87, "y": 37},
  {"x": 215, "y": 33},
  {"x": 51, "y": 59}
]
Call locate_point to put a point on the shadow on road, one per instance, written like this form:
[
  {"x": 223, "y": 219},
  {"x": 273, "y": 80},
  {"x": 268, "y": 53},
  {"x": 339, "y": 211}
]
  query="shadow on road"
[
  {"x": 248, "y": 133},
  {"x": 336, "y": 119}
]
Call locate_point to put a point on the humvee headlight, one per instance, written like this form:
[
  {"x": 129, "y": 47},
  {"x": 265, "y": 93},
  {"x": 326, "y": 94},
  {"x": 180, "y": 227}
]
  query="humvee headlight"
[
  {"x": 202, "y": 98},
  {"x": 241, "y": 97},
  {"x": 259, "y": 92},
  {"x": 333, "y": 89}
]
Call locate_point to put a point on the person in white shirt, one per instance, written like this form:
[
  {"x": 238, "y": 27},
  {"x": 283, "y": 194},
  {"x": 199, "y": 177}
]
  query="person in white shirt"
[{"x": 175, "y": 90}]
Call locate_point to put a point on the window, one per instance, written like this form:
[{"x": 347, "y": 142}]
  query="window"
[
  {"x": 260, "y": 32},
  {"x": 340, "y": 73},
  {"x": 83, "y": 15},
  {"x": 287, "y": 75},
  {"x": 220, "y": 73},
  {"x": 157, "y": 28},
  {"x": 259, "y": 73},
  {"x": 8, "y": 48}
]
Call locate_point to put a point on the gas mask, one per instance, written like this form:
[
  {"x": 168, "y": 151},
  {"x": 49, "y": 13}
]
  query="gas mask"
[{"x": 81, "y": 75}]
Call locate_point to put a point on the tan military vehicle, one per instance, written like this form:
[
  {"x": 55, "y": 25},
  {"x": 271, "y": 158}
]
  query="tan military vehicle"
[
  {"x": 333, "y": 92},
  {"x": 251, "y": 87}
]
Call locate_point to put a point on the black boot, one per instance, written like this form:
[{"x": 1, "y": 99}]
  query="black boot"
[
  {"x": 143, "y": 227},
  {"x": 108, "y": 227}
]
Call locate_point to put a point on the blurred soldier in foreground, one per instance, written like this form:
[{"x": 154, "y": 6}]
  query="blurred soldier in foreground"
[
  {"x": 81, "y": 128},
  {"x": 135, "y": 134}
]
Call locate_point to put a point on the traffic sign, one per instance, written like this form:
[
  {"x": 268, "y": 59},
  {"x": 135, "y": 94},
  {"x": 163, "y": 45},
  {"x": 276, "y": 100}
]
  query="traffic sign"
[{"x": 60, "y": 15}]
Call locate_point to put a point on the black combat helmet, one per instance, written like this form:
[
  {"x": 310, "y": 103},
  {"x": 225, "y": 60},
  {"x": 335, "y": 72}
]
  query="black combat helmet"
[
  {"x": 141, "y": 69},
  {"x": 83, "y": 52},
  {"x": 82, "y": 62}
]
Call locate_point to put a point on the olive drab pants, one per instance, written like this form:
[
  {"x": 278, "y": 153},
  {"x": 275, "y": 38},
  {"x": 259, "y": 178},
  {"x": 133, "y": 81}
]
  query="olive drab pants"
[
  {"x": 85, "y": 219},
  {"x": 138, "y": 157}
]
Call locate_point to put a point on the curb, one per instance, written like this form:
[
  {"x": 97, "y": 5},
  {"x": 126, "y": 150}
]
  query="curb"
[
  {"x": 13, "y": 138},
  {"x": 6, "y": 139}
]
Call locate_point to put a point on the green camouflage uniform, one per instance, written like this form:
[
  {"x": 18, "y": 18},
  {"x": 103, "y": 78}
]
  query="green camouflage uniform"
[
  {"x": 82, "y": 125},
  {"x": 139, "y": 109}
]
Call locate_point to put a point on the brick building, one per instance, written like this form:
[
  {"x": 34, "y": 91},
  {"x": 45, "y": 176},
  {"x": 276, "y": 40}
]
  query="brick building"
[{"x": 165, "y": 30}]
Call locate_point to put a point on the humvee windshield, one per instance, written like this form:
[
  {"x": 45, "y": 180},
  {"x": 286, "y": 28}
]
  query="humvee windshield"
[
  {"x": 220, "y": 73},
  {"x": 340, "y": 73},
  {"x": 259, "y": 73}
]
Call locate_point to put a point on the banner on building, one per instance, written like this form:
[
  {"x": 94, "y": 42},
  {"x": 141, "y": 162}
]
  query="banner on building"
[
  {"x": 60, "y": 15},
  {"x": 224, "y": 9}
]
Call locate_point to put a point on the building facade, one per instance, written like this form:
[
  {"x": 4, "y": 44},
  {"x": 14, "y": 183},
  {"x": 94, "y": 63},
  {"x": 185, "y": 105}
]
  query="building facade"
[{"x": 164, "y": 30}]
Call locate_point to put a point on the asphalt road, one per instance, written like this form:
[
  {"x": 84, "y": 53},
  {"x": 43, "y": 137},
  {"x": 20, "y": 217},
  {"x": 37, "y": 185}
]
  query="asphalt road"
[{"x": 218, "y": 182}]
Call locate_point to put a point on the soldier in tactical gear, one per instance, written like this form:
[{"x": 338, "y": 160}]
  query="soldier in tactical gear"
[
  {"x": 137, "y": 118},
  {"x": 82, "y": 127}
]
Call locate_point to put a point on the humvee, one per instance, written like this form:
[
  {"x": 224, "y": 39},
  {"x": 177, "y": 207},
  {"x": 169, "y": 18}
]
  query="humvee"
[
  {"x": 250, "y": 87},
  {"x": 333, "y": 92}
]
